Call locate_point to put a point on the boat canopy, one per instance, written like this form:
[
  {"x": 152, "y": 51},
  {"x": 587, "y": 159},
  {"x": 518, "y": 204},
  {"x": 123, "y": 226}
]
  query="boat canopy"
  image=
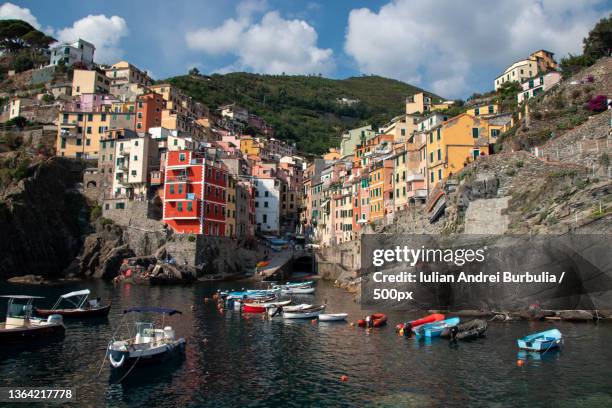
[
  {"x": 152, "y": 310},
  {"x": 83, "y": 292},
  {"x": 22, "y": 297}
]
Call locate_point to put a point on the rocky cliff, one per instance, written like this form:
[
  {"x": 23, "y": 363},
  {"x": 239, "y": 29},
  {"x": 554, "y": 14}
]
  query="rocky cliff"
[{"x": 42, "y": 219}]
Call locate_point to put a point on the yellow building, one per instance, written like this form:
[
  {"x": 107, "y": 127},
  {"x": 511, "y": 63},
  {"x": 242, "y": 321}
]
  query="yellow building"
[
  {"x": 250, "y": 146},
  {"x": 400, "y": 171},
  {"x": 125, "y": 73},
  {"x": 381, "y": 186},
  {"x": 88, "y": 82},
  {"x": 79, "y": 133},
  {"x": 458, "y": 141},
  {"x": 332, "y": 154},
  {"x": 422, "y": 103},
  {"x": 484, "y": 110}
]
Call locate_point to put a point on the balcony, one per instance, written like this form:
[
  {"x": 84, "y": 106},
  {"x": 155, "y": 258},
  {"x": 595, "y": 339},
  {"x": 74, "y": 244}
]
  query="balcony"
[
  {"x": 177, "y": 179},
  {"x": 155, "y": 178},
  {"x": 69, "y": 131},
  {"x": 414, "y": 177},
  {"x": 125, "y": 151}
]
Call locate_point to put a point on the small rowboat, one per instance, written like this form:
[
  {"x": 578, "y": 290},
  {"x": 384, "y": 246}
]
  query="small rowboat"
[
  {"x": 80, "y": 306},
  {"x": 294, "y": 284},
  {"x": 469, "y": 330},
  {"x": 542, "y": 341},
  {"x": 261, "y": 307},
  {"x": 273, "y": 311},
  {"x": 305, "y": 313},
  {"x": 376, "y": 319},
  {"x": 332, "y": 317},
  {"x": 436, "y": 317},
  {"x": 298, "y": 291},
  {"x": 436, "y": 328}
]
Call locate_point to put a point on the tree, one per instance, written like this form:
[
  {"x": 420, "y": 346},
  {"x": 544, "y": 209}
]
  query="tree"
[
  {"x": 17, "y": 34},
  {"x": 194, "y": 71},
  {"x": 599, "y": 41},
  {"x": 18, "y": 121}
]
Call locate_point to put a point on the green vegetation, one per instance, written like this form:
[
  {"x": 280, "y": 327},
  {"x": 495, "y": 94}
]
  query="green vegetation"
[
  {"x": 96, "y": 212},
  {"x": 22, "y": 45},
  {"x": 596, "y": 45},
  {"x": 303, "y": 109},
  {"x": 12, "y": 170}
]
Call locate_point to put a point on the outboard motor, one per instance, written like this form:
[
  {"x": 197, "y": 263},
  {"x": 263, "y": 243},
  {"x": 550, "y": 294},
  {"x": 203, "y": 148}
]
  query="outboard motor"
[{"x": 55, "y": 319}]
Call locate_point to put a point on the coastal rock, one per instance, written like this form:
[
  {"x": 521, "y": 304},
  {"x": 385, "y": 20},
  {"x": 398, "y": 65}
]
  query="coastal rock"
[
  {"x": 111, "y": 262},
  {"x": 27, "y": 280}
]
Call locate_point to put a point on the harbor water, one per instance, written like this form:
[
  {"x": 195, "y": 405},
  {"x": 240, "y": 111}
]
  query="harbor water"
[{"x": 236, "y": 360}]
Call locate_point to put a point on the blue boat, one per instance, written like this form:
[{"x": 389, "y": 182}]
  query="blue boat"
[
  {"x": 249, "y": 294},
  {"x": 435, "y": 329},
  {"x": 542, "y": 341}
]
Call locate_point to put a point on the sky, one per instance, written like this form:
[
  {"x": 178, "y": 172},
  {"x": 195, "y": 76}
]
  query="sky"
[{"x": 449, "y": 47}]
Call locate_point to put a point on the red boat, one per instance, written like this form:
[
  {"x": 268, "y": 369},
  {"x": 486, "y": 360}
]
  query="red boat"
[
  {"x": 377, "y": 320},
  {"x": 80, "y": 306},
  {"x": 418, "y": 322},
  {"x": 261, "y": 307}
]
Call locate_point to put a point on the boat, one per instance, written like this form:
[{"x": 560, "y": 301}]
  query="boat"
[
  {"x": 298, "y": 291},
  {"x": 293, "y": 284},
  {"x": 278, "y": 310},
  {"x": 150, "y": 344},
  {"x": 304, "y": 313},
  {"x": 469, "y": 330},
  {"x": 435, "y": 317},
  {"x": 249, "y": 294},
  {"x": 262, "y": 307},
  {"x": 262, "y": 264},
  {"x": 542, "y": 341},
  {"x": 20, "y": 326},
  {"x": 332, "y": 317},
  {"x": 435, "y": 329},
  {"x": 80, "y": 306},
  {"x": 375, "y": 320}
]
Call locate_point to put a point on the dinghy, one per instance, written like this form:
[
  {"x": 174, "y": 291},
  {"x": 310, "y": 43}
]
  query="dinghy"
[
  {"x": 373, "y": 320},
  {"x": 332, "y": 317},
  {"x": 435, "y": 329},
  {"x": 294, "y": 284},
  {"x": 262, "y": 307},
  {"x": 278, "y": 310},
  {"x": 469, "y": 330},
  {"x": 299, "y": 290},
  {"x": 150, "y": 344},
  {"x": 542, "y": 341},
  {"x": 435, "y": 317},
  {"x": 304, "y": 313},
  {"x": 20, "y": 326},
  {"x": 80, "y": 307}
]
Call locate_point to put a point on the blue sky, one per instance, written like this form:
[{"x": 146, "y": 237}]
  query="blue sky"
[{"x": 453, "y": 48}]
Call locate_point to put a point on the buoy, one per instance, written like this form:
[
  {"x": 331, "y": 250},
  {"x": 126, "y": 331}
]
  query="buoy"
[
  {"x": 520, "y": 363},
  {"x": 352, "y": 324},
  {"x": 343, "y": 378}
]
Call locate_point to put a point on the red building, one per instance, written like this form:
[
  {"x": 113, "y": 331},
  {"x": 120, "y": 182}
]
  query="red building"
[
  {"x": 194, "y": 194},
  {"x": 148, "y": 111}
]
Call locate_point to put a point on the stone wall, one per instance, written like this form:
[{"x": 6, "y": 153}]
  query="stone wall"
[{"x": 339, "y": 262}]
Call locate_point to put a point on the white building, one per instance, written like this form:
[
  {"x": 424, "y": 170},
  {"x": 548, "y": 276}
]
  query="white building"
[
  {"x": 517, "y": 72},
  {"x": 235, "y": 112},
  {"x": 267, "y": 204},
  {"x": 136, "y": 157},
  {"x": 538, "y": 85},
  {"x": 431, "y": 122},
  {"x": 69, "y": 53}
]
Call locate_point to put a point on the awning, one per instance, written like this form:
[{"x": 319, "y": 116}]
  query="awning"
[
  {"x": 83, "y": 292},
  {"x": 22, "y": 297},
  {"x": 152, "y": 310}
]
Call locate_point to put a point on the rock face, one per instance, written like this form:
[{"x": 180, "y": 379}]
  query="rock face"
[{"x": 42, "y": 220}]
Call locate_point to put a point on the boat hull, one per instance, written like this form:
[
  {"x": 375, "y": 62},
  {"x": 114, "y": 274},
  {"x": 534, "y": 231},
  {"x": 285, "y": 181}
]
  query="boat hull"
[
  {"x": 304, "y": 314},
  {"x": 435, "y": 317},
  {"x": 378, "y": 320},
  {"x": 298, "y": 291},
  {"x": 76, "y": 313},
  {"x": 126, "y": 358},
  {"x": 32, "y": 333},
  {"x": 435, "y": 329},
  {"x": 541, "y": 342},
  {"x": 332, "y": 317}
]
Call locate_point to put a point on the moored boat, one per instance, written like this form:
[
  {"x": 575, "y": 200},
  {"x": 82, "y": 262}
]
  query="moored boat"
[
  {"x": 469, "y": 330},
  {"x": 304, "y": 313},
  {"x": 262, "y": 307},
  {"x": 542, "y": 341},
  {"x": 149, "y": 344},
  {"x": 332, "y": 317},
  {"x": 278, "y": 310},
  {"x": 80, "y": 306},
  {"x": 20, "y": 326},
  {"x": 373, "y": 320},
  {"x": 435, "y": 329},
  {"x": 435, "y": 317},
  {"x": 294, "y": 284},
  {"x": 299, "y": 290}
]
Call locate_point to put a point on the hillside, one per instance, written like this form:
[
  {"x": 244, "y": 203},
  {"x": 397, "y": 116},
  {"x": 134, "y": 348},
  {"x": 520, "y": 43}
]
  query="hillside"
[{"x": 303, "y": 109}]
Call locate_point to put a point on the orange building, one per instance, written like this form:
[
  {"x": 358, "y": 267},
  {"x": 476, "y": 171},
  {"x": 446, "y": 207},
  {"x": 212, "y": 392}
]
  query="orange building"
[
  {"x": 194, "y": 194},
  {"x": 381, "y": 188},
  {"x": 148, "y": 111}
]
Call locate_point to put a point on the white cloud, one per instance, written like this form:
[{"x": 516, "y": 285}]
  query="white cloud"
[
  {"x": 273, "y": 45},
  {"x": 442, "y": 43},
  {"x": 104, "y": 32},
  {"x": 10, "y": 11}
]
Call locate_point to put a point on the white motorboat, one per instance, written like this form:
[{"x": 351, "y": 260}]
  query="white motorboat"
[
  {"x": 300, "y": 290},
  {"x": 149, "y": 343},
  {"x": 21, "y": 326},
  {"x": 273, "y": 311},
  {"x": 304, "y": 313},
  {"x": 332, "y": 317}
]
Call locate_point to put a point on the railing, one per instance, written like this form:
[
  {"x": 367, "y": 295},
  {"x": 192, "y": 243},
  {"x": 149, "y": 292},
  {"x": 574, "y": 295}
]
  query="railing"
[{"x": 177, "y": 179}]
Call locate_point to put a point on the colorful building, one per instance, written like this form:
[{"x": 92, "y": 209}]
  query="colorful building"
[
  {"x": 89, "y": 82},
  {"x": 536, "y": 86},
  {"x": 194, "y": 194},
  {"x": 148, "y": 111}
]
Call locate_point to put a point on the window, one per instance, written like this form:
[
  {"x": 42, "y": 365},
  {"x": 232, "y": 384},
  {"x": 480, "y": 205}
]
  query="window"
[
  {"x": 431, "y": 138},
  {"x": 63, "y": 142},
  {"x": 189, "y": 206},
  {"x": 265, "y": 204},
  {"x": 139, "y": 125},
  {"x": 266, "y": 194},
  {"x": 491, "y": 109},
  {"x": 439, "y": 174},
  {"x": 135, "y": 158},
  {"x": 180, "y": 189},
  {"x": 431, "y": 157},
  {"x": 475, "y": 133},
  {"x": 432, "y": 177},
  {"x": 477, "y": 111},
  {"x": 179, "y": 206},
  {"x": 494, "y": 132},
  {"x": 476, "y": 153},
  {"x": 80, "y": 117},
  {"x": 265, "y": 218},
  {"x": 171, "y": 188},
  {"x": 78, "y": 142},
  {"x": 87, "y": 142},
  {"x": 216, "y": 210},
  {"x": 89, "y": 130},
  {"x": 439, "y": 154},
  {"x": 438, "y": 133},
  {"x": 139, "y": 115},
  {"x": 133, "y": 173},
  {"x": 90, "y": 117}
]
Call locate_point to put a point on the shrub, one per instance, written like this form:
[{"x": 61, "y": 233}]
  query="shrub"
[
  {"x": 95, "y": 213},
  {"x": 519, "y": 164},
  {"x": 191, "y": 238},
  {"x": 598, "y": 103},
  {"x": 106, "y": 221}
]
